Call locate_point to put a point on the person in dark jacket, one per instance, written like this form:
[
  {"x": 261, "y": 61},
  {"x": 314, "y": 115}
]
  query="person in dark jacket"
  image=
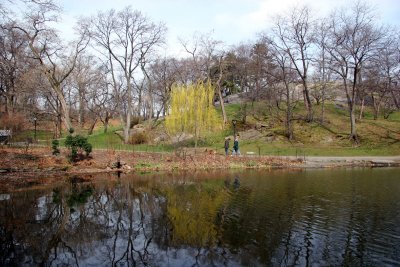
[
  {"x": 236, "y": 150},
  {"x": 226, "y": 146}
]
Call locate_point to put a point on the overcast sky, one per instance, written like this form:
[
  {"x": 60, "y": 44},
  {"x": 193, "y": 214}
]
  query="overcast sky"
[{"x": 231, "y": 21}]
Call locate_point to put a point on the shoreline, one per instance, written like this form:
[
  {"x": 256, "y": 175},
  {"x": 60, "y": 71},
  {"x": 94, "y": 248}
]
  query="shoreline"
[
  {"x": 354, "y": 161},
  {"x": 38, "y": 167}
]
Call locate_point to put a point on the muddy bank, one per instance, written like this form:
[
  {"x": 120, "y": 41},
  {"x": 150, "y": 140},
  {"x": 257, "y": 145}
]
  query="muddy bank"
[
  {"x": 20, "y": 168},
  {"x": 41, "y": 160}
]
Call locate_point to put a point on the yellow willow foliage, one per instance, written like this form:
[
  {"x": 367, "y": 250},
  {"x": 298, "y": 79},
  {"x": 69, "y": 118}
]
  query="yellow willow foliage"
[{"x": 192, "y": 110}]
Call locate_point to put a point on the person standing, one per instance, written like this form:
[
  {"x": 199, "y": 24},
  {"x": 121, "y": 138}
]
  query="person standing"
[
  {"x": 236, "y": 150},
  {"x": 226, "y": 146}
]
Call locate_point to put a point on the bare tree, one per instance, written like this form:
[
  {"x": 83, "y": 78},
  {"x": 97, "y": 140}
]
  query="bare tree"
[
  {"x": 192, "y": 48},
  {"x": 127, "y": 37},
  {"x": 14, "y": 65},
  {"x": 322, "y": 73},
  {"x": 55, "y": 61},
  {"x": 212, "y": 54},
  {"x": 240, "y": 75},
  {"x": 260, "y": 66},
  {"x": 294, "y": 35},
  {"x": 164, "y": 75},
  {"x": 100, "y": 101},
  {"x": 353, "y": 39},
  {"x": 380, "y": 74},
  {"x": 84, "y": 79},
  {"x": 207, "y": 57},
  {"x": 221, "y": 74},
  {"x": 283, "y": 76}
]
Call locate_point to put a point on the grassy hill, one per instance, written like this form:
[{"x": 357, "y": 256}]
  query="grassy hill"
[
  {"x": 377, "y": 137},
  {"x": 262, "y": 133}
]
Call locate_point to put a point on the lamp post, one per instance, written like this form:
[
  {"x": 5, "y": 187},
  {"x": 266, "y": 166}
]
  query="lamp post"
[
  {"x": 34, "y": 121},
  {"x": 234, "y": 128}
]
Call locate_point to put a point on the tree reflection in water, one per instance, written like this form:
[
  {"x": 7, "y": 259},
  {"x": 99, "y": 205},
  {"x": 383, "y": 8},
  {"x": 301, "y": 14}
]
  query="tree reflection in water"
[{"x": 223, "y": 219}]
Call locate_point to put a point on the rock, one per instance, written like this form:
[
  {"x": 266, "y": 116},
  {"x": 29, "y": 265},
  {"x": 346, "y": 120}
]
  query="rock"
[
  {"x": 161, "y": 138},
  {"x": 233, "y": 99},
  {"x": 139, "y": 128},
  {"x": 127, "y": 167},
  {"x": 261, "y": 126},
  {"x": 182, "y": 137},
  {"x": 121, "y": 163},
  {"x": 251, "y": 134},
  {"x": 327, "y": 139}
]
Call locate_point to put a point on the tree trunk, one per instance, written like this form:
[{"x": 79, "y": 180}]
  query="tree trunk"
[
  {"x": 66, "y": 117},
  {"x": 164, "y": 112},
  {"x": 374, "y": 104},
  {"x": 244, "y": 113},
  {"x": 126, "y": 134},
  {"x": 221, "y": 102},
  {"x": 140, "y": 103},
  {"x": 127, "y": 124},
  {"x": 289, "y": 130},
  {"x": 81, "y": 118},
  {"x": 1, "y": 105},
  {"x": 128, "y": 115},
  {"x": 353, "y": 134},
  {"x": 196, "y": 137},
  {"x": 106, "y": 119},
  {"x": 351, "y": 100},
  {"x": 310, "y": 115},
  {"x": 151, "y": 100},
  {"x": 395, "y": 99},
  {"x": 92, "y": 126},
  {"x": 64, "y": 107},
  {"x": 9, "y": 105},
  {"x": 361, "y": 115},
  {"x": 324, "y": 81},
  {"x": 323, "y": 102}
]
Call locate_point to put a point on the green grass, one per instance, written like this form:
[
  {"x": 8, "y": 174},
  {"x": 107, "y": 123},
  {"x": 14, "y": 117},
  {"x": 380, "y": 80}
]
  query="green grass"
[
  {"x": 394, "y": 117},
  {"x": 111, "y": 140},
  {"x": 24, "y": 135},
  {"x": 232, "y": 111},
  {"x": 378, "y": 137},
  {"x": 293, "y": 150}
]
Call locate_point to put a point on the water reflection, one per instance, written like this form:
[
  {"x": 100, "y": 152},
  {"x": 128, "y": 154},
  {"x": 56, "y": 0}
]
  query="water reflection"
[{"x": 278, "y": 218}]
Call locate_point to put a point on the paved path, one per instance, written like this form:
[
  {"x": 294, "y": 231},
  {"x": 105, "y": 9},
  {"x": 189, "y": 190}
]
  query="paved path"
[{"x": 378, "y": 161}]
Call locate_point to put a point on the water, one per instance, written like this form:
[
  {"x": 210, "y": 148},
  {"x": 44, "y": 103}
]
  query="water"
[{"x": 341, "y": 217}]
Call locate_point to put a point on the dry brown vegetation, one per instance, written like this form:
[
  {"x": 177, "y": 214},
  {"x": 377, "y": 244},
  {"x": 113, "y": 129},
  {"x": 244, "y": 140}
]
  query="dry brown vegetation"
[{"x": 37, "y": 166}]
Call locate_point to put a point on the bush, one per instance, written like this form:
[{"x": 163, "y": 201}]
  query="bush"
[
  {"x": 87, "y": 147},
  {"x": 138, "y": 138},
  {"x": 77, "y": 144},
  {"x": 54, "y": 145}
]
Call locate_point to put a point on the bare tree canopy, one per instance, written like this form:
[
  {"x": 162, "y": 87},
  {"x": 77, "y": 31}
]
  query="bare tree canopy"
[
  {"x": 353, "y": 39},
  {"x": 115, "y": 67},
  {"x": 293, "y": 34},
  {"x": 127, "y": 38}
]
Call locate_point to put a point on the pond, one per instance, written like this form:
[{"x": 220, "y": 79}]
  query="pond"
[{"x": 245, "y": 218}]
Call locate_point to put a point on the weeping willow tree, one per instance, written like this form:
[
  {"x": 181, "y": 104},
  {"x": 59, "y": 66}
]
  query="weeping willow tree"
[{"x": 192, "y": 110}]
